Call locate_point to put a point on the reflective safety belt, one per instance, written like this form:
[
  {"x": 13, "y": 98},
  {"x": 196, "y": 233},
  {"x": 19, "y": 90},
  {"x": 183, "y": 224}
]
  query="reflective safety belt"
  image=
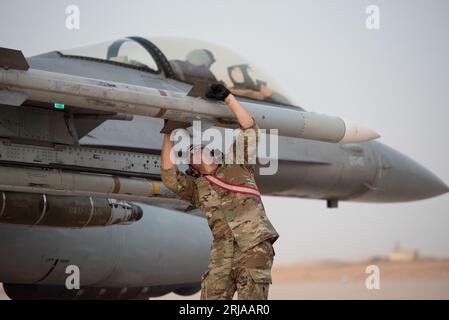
[{"x": 231, "y": 186}]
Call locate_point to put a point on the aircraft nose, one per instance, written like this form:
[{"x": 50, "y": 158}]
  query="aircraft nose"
[{"x": 400, "y": 178}]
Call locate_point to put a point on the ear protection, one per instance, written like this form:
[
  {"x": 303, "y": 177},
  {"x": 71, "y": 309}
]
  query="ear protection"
[{"x": 192, "y": 170}]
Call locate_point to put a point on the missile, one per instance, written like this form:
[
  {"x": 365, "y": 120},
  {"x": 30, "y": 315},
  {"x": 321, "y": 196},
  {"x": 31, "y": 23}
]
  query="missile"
[
  {"x": 16, "y": 86},
  {"x": 65, "y": 183},
  {"x": 65, "y": 211}
]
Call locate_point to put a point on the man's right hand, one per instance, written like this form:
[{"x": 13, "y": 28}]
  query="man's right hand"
[{"x": 218, "y": 91}]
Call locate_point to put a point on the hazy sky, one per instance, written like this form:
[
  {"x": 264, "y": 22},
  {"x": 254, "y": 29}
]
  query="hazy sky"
[{"x": 394, "y": 80}]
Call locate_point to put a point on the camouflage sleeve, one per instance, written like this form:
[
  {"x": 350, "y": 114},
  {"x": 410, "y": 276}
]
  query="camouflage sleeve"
[
  {"x": 244, "y": 148},
  {"x": 179, "y": 183}
]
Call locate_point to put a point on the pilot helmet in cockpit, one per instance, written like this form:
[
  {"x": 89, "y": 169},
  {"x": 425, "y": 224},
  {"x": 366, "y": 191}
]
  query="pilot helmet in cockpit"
[{"x": 200, "y": 57}]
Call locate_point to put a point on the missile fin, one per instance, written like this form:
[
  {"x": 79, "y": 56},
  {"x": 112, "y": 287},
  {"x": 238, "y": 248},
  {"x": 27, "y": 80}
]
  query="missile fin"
[
  {"x": 12, "y": 59},
  {"x": 199, "y": 89}
]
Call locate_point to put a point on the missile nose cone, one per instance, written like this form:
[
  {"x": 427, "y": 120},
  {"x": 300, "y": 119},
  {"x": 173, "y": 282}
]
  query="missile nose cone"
[{"x": 357, "y": 133}]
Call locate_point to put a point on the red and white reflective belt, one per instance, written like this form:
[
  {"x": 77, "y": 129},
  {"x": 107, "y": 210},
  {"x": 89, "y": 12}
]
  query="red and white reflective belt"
[{"x": 232, "y": 187}]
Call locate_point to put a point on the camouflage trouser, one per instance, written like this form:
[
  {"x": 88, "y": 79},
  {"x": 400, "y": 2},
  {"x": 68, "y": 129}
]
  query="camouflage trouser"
[{"x": 231, "y": 270}]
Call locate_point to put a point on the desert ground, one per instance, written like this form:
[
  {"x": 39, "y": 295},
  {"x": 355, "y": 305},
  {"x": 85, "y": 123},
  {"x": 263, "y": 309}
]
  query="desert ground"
[{"x": 421, "y": 279}]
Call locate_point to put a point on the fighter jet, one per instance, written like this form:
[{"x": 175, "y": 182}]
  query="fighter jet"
[{"x": 80, "y": 164}]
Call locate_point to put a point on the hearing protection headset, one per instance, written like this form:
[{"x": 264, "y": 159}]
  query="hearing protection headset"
[{"x": 192, "y": 170}]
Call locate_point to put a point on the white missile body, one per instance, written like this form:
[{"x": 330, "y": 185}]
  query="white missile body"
[
  {"x": 94, "y": 94},
  {"x": 69, "y": 183}
]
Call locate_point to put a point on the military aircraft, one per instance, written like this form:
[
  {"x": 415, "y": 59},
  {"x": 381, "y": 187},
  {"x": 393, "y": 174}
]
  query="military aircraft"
[{"x": 80, "y": 164}]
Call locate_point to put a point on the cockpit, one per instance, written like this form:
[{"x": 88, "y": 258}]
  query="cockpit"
[{"x": 186, "y": 60}]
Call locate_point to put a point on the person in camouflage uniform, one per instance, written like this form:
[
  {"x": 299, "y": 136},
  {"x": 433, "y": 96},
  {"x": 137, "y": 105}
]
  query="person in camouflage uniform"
[{"x": 241, "y": 254}]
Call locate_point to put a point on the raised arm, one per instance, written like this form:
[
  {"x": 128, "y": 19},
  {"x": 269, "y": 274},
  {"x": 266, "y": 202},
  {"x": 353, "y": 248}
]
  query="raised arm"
[
  {"x": 172, "y": 178},
  {"x": 244, "y": 148},
  {"x": 243, "y": 116},
  {"x": 167, "y": 148},
  {"x": 220, "y": 92}
]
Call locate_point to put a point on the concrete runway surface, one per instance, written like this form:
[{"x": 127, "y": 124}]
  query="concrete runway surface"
[{"x": 422, "y": 279}]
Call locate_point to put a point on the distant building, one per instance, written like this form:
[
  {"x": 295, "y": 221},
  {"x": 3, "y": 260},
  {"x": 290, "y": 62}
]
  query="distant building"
[{"x": 403, "y": 255}]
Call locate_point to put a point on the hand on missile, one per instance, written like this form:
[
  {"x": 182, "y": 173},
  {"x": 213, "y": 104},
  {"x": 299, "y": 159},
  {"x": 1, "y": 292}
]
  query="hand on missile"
[
  {"x": 170, "y": 125},
  {"x": 218, "y": 91}
]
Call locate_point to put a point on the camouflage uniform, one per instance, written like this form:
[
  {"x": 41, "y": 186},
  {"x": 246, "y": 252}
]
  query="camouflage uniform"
[{"x": 241, "y": 251}]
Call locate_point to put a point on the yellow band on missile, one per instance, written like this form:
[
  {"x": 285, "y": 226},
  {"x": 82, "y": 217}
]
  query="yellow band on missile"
[{"x": 156, "y": 188}]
